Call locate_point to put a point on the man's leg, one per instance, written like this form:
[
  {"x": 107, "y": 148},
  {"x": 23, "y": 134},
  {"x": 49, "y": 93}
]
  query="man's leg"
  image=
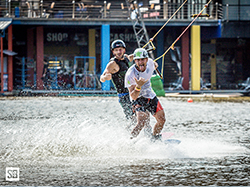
[
  {"x": 143, "y": 118},
  {"x": 160, "y": 118},
  {"x": 128, "y": 110},
  {"x": 126, "y": 106}
]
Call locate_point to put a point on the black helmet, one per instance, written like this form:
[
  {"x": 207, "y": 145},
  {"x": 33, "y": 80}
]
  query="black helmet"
[
  {"x": 46, "y": 59},
  {"x": 117, "y": 43}
]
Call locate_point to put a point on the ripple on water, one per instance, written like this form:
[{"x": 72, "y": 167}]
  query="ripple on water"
[{"x": 82, "y": 141}]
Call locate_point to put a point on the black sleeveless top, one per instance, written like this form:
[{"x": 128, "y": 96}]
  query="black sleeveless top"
[{"x": 118, "y": 77}]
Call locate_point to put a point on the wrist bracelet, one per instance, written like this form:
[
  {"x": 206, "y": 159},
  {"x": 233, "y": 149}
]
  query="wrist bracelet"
[{"x": 137, "y": 89}]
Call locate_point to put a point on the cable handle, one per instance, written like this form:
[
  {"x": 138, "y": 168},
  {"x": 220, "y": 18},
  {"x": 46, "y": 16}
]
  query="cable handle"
[{"x": 157, "y": 71}]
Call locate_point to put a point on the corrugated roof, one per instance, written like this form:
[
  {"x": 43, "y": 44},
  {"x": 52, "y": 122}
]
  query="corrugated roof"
[
  {"x": 10, "y": 53},
  {"x": 4, "y": 24}
]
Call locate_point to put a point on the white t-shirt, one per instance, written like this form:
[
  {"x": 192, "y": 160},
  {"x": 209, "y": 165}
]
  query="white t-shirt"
[{"x": 146, "y": 90}]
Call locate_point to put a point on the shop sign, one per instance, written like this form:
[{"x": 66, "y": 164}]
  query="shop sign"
[
  {"x": 126, "y": 37},
  {"x": 57, "y": 37}
]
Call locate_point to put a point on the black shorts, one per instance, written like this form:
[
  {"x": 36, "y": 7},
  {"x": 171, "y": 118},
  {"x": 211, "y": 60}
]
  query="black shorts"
[
  {"x": 145, "y": 104},
  {"x": 126, "y": 104}
]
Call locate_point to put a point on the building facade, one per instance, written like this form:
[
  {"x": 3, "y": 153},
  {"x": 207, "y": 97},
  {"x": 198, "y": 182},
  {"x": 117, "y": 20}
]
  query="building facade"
[{"x": 75, "y": 39}]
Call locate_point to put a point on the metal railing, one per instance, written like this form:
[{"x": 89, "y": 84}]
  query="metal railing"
[
  {"x": 105, "y": 10},
  {"x": 117, "y": 10},
  {"x": 234, "y": 12}
]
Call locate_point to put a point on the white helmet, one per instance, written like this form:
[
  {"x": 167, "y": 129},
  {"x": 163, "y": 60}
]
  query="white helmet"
[{"x": 140, "y": 53}]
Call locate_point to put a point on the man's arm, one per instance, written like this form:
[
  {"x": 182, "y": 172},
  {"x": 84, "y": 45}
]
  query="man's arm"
[
  {"x": 110, "y": 69},
  {"x": 156, "y": 65},
  {"x": 134, "y": 90},
  {"x": 133, "y": 93},
  {"x": 105, "y": 76},
  {"x": 130, "y": 57}
]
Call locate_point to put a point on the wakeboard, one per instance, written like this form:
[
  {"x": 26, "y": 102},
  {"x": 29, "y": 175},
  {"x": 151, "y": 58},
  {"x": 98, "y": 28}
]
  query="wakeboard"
[{"x": 166, "y": 138}]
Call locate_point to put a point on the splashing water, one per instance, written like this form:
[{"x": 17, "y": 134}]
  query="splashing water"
[{"x": 53, "y": 140}]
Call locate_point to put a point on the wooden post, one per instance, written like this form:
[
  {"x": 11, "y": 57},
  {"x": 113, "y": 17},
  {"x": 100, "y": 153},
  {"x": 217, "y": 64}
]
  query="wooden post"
[
  {"x": 195, "y": 57},
  {"x": 10, "y": 60},
  {"x": 185, "y": 59},
  {"x": 2, "y": 65},
  {"x": 213, "y": 68},
  {"x": 39, "y": 56}
]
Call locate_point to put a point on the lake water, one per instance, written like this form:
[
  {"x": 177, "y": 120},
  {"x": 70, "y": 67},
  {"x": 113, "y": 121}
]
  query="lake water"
[{"x": 82, "y": 141}]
